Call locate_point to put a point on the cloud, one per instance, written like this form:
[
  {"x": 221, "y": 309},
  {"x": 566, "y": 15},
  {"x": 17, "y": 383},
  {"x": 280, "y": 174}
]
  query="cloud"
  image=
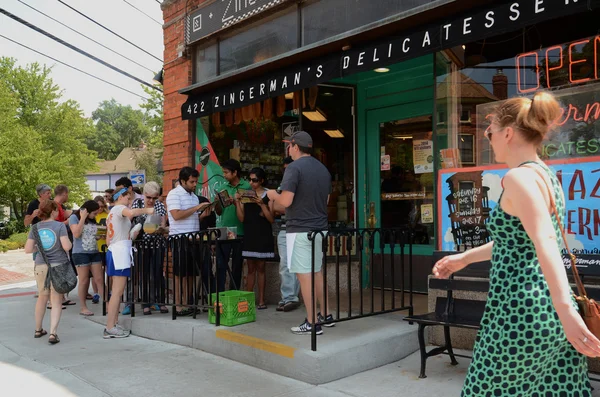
[
  {"x": 448, "y": 237},
  {"x": 494, "y": 182},
  {"x": 573, "y": 243}
]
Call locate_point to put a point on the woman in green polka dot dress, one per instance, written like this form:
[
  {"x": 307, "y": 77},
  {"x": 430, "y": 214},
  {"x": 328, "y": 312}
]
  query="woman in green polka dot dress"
[{"x": 532, "y": 341}]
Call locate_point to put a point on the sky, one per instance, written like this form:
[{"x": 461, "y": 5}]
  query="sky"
[{"x": 116, "y": 15}]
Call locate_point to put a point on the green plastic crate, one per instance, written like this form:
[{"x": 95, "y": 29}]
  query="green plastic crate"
[{"x": 237, "y": 307}]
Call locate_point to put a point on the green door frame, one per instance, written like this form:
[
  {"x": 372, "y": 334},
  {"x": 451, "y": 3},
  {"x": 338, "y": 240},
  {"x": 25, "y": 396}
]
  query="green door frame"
[{"x": 419, "y": 107}]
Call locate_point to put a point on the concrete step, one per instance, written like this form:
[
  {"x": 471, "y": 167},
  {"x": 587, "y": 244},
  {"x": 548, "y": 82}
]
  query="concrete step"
[{"x": 348, "y": 348}]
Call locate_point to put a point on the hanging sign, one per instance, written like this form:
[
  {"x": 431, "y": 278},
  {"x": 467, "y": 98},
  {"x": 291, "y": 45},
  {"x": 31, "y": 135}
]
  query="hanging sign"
[{"x": 473, "y": 25}]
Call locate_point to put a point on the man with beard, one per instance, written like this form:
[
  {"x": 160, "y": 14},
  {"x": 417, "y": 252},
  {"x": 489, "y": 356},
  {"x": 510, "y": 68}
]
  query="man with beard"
[{"x": 185, "y": 212}]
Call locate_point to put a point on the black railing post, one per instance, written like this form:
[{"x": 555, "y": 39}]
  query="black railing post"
[
  {"x": 337, "y": 247},
  {"x": 392, "y": 266},
  {"x": 349, "y": 239},
  {"x": 313, "y": 333},
  {"x": 410, "y": 271},
  {"x": 382, "y": 240},
  {"x": 360, "y": 246}
]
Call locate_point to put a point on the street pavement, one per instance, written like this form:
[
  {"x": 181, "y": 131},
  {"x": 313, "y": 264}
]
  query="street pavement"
[{"x": 84, "y": 364}]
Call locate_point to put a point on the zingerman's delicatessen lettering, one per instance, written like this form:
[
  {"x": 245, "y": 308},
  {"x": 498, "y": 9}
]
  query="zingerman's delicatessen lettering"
[{"x": 485, "y": 22}]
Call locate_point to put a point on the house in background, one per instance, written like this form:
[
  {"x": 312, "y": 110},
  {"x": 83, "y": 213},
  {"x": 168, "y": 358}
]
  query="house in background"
[{"x": 109, "y": 171}]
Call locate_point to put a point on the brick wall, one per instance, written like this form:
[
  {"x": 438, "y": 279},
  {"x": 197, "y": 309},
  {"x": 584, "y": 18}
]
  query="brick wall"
[{"x": 179, "y": 136}]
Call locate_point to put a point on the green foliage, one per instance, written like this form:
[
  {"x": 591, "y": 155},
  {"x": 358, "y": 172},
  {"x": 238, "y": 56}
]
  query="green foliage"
[
  {"x": 15, "y": 226},
  {"x": 19, "y": 238},
  {"x": 41, "y": 138},
  {"x": 147, "y": 160},
  {"x": 154, "y": 115},
  {"x": 6, "y": 245},
  {"x": 117, "y": 127}
]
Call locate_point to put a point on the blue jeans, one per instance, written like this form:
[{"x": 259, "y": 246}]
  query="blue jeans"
[{"x": 290, "y": 286}]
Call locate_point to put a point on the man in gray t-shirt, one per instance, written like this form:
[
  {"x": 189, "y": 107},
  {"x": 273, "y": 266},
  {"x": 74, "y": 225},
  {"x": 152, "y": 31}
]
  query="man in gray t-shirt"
[{"x": 304, "y": 194}]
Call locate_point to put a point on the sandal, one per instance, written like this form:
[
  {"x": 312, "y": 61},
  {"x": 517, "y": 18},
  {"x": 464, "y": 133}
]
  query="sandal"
[
  {"x": 40, "y": 333},
  {"x": 185, "y": 312},
  {"x": 53, "y": 339},
  {"x": 163, "y": 309},
  {"x": 68, "y": 302},
  {"x": 89, "y": 297},
  {"x": 147, "y": 311},
  {"x": 261, "y": 307},
  {"x": 86, "y": 314}
]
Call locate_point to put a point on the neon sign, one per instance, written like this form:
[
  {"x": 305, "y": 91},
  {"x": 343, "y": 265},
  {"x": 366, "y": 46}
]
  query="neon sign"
[{"x": 571, "y": 63}]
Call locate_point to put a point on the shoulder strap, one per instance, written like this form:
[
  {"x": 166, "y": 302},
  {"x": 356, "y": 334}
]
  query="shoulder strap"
[
  {"x": 580, "y": 286},
  {"x": 38, "y": 242}
]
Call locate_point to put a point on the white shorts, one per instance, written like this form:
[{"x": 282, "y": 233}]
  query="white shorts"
[{"x": 299, "y": 250}]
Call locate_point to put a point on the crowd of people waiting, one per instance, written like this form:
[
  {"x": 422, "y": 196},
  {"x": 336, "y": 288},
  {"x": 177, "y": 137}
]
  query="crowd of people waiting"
[{"x": 258, "y": 214}]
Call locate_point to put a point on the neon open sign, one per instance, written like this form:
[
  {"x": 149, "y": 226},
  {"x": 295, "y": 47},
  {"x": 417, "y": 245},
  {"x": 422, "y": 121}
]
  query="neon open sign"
[{"x": 571, "y": 63}]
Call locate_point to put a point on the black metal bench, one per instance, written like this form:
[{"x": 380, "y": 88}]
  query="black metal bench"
[
  {"x": 450, "y": 312},
  {"x": 463, "y": 313}
]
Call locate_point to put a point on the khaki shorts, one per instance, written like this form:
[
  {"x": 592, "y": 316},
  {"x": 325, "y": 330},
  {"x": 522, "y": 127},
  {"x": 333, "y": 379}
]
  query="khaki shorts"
[{"x": 40, "y": 272}]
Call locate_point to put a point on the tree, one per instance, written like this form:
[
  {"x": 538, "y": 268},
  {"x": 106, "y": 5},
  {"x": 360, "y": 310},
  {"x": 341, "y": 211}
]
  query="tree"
[
  {"x": 117, "y": 127},
  {"x": 41, "y": 138},
  {"x": 154, "y": 115},
  {"x": 148, "y": 160}
]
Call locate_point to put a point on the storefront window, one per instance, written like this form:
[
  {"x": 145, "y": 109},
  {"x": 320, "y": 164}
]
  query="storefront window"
[
  {"x": 205, "y": 61},
  {"x": 474, "y": 78},
  {"x": 262, "y": 40},
  {"x": 255, "y": 136},
  {"x": 326, "y": 18}
]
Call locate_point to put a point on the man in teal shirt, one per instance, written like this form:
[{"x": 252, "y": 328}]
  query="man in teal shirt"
[{"x": 228, "y": 218}]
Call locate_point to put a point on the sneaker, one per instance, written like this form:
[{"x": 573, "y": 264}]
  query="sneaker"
[
  {"x": 126, "y": 311},
  {"x": 322, "y": 319},
  {"x": 306, "y": 329},
  {"x": 96, "y": 298},
  {"x": 115, "y": 332}
]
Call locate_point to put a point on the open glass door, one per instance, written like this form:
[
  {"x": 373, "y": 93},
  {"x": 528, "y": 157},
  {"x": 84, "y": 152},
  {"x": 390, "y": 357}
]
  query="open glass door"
[{"x": 401, "y": 179}]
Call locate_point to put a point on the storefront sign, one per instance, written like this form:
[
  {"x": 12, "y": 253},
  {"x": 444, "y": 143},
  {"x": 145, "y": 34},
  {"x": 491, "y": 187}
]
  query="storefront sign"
[
  {"x": 467, "y": 196},
  {"x": 474, "y": 25},
  {"x": 222, "y": 14},
  {"x": 423, "y": 156},
  {"x": 577, "y": 130},
  {"x": 569, "y": 63}
]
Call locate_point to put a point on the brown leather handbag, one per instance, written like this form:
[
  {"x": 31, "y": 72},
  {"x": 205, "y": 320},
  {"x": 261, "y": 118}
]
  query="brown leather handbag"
[{"x": 588, "y": 308}]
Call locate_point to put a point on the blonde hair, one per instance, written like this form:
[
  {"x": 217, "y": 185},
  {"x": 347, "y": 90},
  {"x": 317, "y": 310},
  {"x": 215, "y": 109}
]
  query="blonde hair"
[
  {"x": 152, "y": 188},
  {"x": 532, "y": 117}
]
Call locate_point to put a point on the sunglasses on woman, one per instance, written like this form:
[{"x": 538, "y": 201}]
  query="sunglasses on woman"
[
  {"x": 488, "y": 133},
  {"x": 151, "y": 198}
]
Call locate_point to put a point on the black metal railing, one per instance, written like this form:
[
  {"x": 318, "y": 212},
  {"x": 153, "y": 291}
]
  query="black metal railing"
[
  {"x": 386, "y": 250},
  {"x": 184, "y": 260}
]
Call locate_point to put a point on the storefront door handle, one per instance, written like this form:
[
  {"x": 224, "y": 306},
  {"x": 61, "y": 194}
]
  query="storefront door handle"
[{"x": 372, "y": 221}]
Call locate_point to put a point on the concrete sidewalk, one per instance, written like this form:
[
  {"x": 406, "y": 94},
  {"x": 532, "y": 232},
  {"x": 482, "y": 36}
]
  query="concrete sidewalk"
[{"x": 84, "y": 364}]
